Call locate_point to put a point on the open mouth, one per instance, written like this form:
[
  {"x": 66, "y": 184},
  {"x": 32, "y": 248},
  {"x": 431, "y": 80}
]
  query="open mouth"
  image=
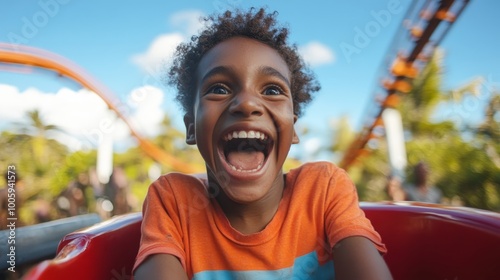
[{"x": 245, "y": 151}]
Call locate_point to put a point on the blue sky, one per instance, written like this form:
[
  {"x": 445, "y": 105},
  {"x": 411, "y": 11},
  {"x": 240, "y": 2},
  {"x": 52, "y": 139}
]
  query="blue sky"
[{"x": 117, "y": 41}]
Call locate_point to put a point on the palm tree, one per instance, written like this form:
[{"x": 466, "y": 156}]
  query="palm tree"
[{"x": 38, "y": 129}]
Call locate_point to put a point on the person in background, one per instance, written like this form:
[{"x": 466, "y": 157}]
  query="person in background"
[
  {"x": 421, "y": 190},
  {"x": 417, "y": 190}
]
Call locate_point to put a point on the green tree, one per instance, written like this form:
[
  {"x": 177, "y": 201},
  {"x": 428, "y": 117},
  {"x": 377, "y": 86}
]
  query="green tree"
[
  {"x": 489, "y": 130},
  {"x": 38, "y": 129},
  {"x": 459, "y": 167},
  {"x": 34, "y": 178}
]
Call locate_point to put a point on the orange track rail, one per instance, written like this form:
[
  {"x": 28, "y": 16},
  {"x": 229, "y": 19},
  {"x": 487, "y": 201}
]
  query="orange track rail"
[{"x": 33, "y": 57}]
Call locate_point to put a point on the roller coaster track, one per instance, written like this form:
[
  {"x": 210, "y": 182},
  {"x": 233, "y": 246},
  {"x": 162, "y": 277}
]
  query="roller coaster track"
[
  {"x": 424, "y": 26},
  {"x": 410, "y": 51},
  {"x": 33, "y": 57}
]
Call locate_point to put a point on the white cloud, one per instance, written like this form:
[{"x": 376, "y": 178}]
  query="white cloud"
[
  {"x": 162, "y": 48},
  {"x": 82, "y": 115},
  {"x": 160, "y": 51},
  {"x": 316, "y": 54}
]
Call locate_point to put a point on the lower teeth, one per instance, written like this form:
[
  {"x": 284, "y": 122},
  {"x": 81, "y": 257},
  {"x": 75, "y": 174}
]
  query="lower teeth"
[{"x": 241, "y": 170}]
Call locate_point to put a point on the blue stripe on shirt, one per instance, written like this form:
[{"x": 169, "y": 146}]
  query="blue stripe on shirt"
[{"x": 304, "y": 267}]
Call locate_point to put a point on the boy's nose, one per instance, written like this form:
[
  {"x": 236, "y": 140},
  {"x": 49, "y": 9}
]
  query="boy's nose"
[{"x": 246, "y": 105}]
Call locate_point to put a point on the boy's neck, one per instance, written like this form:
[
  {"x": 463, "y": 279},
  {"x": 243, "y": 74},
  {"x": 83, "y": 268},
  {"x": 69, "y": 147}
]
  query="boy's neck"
[
  {"x": 250, "y": 221},
  {"x": 253, "y": 217}
]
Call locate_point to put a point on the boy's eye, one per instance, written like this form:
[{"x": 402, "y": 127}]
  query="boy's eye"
[
  {"x": 218, "y": 89},
  {"x": 273, "y": 90}
]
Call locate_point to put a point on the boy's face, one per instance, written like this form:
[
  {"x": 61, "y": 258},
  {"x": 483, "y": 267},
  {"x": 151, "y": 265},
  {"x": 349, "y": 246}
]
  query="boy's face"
[{"x": 243, "y": 118}]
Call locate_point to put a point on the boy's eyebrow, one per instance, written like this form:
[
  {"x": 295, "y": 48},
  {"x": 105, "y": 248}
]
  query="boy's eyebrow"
[
  {"x": 266, "y": 70},
  {"x": 217, "y": 70}
]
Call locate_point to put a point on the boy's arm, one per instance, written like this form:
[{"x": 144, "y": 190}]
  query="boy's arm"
[
  {"x": 357, "y": 258},
  {"x": 160, "y": 266}
]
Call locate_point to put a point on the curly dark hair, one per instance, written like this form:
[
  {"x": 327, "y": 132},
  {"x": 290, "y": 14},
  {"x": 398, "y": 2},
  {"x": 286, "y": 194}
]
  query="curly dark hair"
[{"x": 257, "y": 25}]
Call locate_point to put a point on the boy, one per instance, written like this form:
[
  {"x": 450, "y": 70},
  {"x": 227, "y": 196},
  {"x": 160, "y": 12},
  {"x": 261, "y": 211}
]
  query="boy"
[{"x": 242, "y": 88}]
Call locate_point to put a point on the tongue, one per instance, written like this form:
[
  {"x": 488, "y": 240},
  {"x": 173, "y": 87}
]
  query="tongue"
[{"x": 245, "y": 160}]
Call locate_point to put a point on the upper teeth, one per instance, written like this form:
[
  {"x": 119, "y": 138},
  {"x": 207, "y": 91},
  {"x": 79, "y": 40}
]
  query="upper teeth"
[{"x": 245, "y": 134}]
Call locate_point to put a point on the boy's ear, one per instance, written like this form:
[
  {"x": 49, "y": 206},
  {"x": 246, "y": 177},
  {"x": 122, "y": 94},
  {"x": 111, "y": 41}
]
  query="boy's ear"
[
  {"x": 190, "y": 135},
  {"x": 295, "y": 139}
]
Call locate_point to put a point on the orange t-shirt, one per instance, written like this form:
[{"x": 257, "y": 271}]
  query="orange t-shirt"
[{"x": 318, "y": 209}]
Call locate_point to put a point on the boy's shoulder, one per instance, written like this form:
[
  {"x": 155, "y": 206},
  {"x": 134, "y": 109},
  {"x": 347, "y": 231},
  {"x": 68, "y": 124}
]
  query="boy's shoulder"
[
  {"x": 321, "y": 174},
  {"x": 314, "y": 168},
  {"x": 180, "y": 182},
  {"x": 318, "y": 183},
  {"x": 182, "y": 177}
]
